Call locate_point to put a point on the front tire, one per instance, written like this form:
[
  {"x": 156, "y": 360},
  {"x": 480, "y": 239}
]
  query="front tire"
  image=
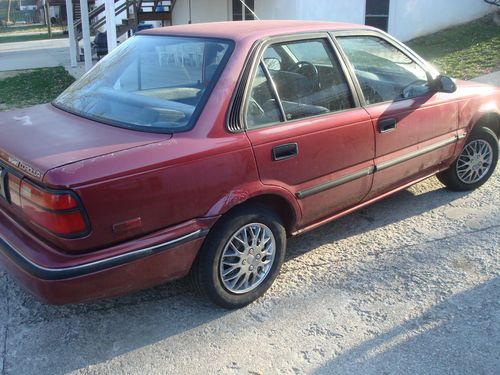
[
  {"x": 241, "y": 257},
  {"x": 475, "y": 164}
]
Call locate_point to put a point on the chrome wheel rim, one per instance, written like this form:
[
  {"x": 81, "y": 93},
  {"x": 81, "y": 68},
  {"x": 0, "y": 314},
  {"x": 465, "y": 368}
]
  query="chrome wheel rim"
[
  {"x": 247, "y": 258},
  {"x": 474, "y": 162}
]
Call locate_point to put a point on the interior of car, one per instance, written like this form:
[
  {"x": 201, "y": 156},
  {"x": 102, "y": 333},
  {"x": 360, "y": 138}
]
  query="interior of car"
[
  {"x": 305, "y": 87},
  {"x": 383, "y": 72}
]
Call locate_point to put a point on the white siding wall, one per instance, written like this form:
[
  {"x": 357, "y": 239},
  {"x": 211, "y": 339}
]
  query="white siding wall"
[
  {"x": 325, "y": 10},
  {"x": 221, "y": 10},
  {"x": 201, "y": 11},
  {"x": 407, "y": 19},
  {"x": 411, "y": 18}
]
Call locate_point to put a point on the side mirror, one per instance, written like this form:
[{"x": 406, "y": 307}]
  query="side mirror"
[{"x": 445, "y": 84}]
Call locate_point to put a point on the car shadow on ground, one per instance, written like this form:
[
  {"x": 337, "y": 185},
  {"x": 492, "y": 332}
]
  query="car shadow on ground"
[
  {"x": 397, "y": 207},
  {"x": 456, "y": 334},
  {"x": 103, "y": 330}
]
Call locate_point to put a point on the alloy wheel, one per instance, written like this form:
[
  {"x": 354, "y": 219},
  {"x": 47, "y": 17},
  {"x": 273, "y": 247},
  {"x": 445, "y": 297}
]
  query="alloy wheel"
[
  {"x": 247, "y": 258},
  {"x": 474, "y": 162}
]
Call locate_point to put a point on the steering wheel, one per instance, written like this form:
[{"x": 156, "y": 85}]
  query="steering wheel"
[
  {"x": 414, "y": 89},
  {"x": 308, "y": 70}
]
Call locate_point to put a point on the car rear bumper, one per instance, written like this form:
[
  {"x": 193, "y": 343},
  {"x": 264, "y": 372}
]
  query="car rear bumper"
[{"x": 59, "y": 278}]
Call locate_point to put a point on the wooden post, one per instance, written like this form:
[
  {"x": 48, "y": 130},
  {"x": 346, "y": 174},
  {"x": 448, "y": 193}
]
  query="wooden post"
[
  {"x": 109, "y": 9},
  {"x": 87, "y": 49},
  {"x": 71, "y": 32}
]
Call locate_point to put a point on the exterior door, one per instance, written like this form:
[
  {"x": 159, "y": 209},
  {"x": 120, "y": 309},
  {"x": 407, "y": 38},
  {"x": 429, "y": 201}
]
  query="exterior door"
[
  {"x": 308, "y": 134},
  {"x": 377, "y": 14},
  {"x": 415, "y": 129}
]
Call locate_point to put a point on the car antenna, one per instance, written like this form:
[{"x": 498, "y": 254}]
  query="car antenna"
[{"x": 251, "y": 11}]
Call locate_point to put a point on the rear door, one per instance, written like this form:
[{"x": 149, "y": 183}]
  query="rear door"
[
  {"x": 415, "y": 126},
  {"x": 309, "y": 133}
]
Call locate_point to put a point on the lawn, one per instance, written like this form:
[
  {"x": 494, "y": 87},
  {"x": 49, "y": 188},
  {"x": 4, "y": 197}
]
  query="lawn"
[
  {"x": 464, "y": 51},
  {"x": 36, "y": 28},
  {"x": 11, "y": 34},
  {"x": 33, "y": 87},
  {"x": 19, "y": 37}
]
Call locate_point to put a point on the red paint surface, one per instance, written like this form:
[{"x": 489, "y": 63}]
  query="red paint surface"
[{"x": 183, "y": 182}]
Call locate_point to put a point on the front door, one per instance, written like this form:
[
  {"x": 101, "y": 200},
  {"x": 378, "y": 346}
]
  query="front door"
[
  {"x": 308, "y": 132},
  {"x": 415, "y": 128}
]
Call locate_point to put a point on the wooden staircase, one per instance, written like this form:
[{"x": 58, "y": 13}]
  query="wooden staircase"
[
  {"x": 137, "y": 11},
  {"x": 152, "y": 10}
]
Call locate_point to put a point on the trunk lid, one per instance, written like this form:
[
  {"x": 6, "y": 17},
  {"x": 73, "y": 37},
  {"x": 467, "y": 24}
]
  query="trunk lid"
[{"x": 37, "y": 139}]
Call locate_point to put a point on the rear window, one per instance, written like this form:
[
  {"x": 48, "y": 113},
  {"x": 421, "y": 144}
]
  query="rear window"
[{"x": 151, "y": 83}]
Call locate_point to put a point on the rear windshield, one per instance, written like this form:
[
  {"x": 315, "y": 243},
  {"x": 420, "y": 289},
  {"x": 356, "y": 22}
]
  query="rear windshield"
[{"x": 151, "y": 83}]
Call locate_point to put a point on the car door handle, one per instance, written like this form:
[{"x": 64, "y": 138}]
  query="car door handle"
[
  {"x": 387, "y": 125},
  {"x": 285, "y": 151}
]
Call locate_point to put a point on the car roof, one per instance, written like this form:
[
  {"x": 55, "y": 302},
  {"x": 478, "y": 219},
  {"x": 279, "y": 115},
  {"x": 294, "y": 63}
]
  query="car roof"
[{"x": 239, "y": 30}]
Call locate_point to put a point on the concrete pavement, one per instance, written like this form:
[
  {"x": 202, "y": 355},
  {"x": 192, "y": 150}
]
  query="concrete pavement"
[
  {"x": 37, "y": 54},
  {"x": 409, "y": 285},
  {"x": 490, "y": 79}
]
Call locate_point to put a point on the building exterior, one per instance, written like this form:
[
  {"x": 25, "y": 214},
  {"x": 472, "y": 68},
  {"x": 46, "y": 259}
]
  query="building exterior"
[{"x": 404, "y": 19}]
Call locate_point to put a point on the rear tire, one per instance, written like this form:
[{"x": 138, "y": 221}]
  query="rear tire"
[
  {"x": 241, "y": 257},
  {"x": 475, "y": 164}
]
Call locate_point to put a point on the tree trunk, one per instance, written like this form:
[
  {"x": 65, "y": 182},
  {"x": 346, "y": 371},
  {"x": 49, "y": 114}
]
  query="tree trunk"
[
  {"x": 47, "y": 18},
  {"x": 8, "y": 12}
]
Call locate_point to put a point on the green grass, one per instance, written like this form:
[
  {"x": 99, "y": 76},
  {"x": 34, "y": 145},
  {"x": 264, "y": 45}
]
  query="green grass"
[
  {"x": 33, "y": 87},
  {"x": 465, "y": 51},
  {"x": 23, "y": 37},
  {"x": 4, "y": 30}
]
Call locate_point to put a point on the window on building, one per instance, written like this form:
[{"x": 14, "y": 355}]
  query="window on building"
[
  {"x": 242, "y": 12},
  {"x": 377, "y": 13}
]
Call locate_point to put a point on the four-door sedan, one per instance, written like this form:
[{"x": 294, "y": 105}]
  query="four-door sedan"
[{"x": 198, "y": 149}]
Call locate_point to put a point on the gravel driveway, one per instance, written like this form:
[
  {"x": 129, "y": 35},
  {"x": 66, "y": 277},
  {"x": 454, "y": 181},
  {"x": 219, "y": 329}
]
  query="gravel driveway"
[{"x": 409, "y": 285}]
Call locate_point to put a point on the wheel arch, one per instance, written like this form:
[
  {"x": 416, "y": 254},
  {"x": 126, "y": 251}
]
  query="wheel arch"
[
  {"x": 280, "y": 200},
  {"x": 491, "y": 121}
]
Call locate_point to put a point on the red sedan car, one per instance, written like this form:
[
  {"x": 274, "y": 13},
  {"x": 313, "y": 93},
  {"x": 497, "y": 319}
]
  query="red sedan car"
[{"x": 198, "y": 149}]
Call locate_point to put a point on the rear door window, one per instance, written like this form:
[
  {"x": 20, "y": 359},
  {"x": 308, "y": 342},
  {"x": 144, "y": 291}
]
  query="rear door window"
[{"x": 303, "y": 79}]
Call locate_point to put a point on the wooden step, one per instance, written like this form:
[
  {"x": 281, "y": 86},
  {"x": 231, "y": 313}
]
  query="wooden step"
[{"x": 154, "y": 16}]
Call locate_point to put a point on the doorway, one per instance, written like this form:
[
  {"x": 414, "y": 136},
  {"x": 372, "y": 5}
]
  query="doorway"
[{"x": 377, "y": 14}]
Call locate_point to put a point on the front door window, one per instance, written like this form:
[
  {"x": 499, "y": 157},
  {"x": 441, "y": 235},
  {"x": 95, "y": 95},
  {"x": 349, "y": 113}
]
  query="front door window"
[{"x": 383, "y": 71}]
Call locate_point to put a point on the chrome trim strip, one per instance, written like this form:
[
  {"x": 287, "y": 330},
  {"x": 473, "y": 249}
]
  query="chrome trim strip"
[
  {"x": 46, "y": 273},
  {"x": 378, "y": 167},
  {"x": 333, "y": 183},
  {"x": 414, "y": 154}
]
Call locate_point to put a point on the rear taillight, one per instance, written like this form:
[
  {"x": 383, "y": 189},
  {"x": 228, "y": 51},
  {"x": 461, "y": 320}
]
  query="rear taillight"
[
  {"x": 14, "y": 187},
  {"x": 56, "y": 211}
]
